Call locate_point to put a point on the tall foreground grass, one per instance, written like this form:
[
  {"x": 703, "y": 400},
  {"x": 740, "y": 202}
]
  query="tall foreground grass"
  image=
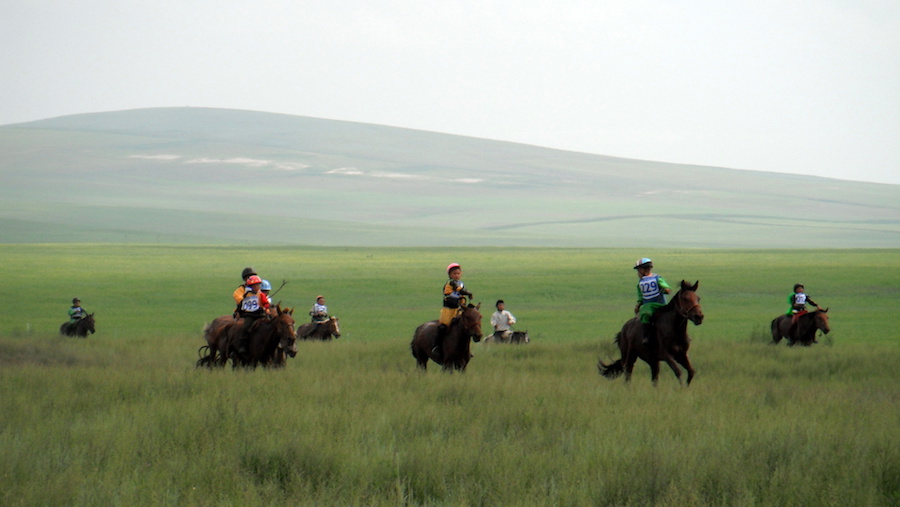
[
  {"x": 108, "y": 422},
  {"x": 123, "y": 417}
]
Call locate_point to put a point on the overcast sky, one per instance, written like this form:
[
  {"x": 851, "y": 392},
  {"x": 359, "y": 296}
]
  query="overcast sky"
[{"x": 808, "y": 87}]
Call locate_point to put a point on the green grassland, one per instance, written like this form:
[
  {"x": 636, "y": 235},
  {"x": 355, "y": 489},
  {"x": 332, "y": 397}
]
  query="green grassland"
[{"x": 124, "y": 417}]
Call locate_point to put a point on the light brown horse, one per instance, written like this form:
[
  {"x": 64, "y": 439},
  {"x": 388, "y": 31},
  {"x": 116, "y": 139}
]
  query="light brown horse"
[
  {"x": 805, "y": 330},
  {"x": 672, "y": 338},
  {"x": 456, "y": 345},
  {"x": 320, "y": 330}
]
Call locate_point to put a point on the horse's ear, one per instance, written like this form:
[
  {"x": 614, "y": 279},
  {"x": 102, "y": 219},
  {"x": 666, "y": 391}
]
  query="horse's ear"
[
  {"x": 696, "y": 284},
  {"x": 478, "y": 306},
  {"x": 825, "y": 310}
]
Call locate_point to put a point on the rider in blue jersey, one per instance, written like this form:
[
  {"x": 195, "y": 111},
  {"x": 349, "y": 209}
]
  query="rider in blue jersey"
[{"x": 651, "y": 293}]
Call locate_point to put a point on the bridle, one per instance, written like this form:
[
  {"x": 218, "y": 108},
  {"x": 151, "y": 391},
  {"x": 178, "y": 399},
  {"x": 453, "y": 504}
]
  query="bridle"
[
  {"x": 686, "y": 313},
  {"x": 470, "y": 325}
]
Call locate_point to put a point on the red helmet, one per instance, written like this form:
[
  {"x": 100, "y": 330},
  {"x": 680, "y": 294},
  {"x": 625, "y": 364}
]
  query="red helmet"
[
  {"x": 253, "y": 279},
  {"x": 451, "y": 266}
]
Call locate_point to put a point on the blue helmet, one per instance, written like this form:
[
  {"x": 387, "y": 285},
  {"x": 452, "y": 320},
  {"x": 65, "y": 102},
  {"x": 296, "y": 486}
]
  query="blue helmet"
[
  {"x": 643, "y": 261},
  {"x": 265, "y": 285}
]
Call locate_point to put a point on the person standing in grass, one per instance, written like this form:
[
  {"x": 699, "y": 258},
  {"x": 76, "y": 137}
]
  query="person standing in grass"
[
  {"x": 651, "y": 293},
  {"x": 455, "y": 296}
]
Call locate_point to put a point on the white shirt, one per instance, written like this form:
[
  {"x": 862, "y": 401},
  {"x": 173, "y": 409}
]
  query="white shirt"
[{"x": 502, "y": 320}]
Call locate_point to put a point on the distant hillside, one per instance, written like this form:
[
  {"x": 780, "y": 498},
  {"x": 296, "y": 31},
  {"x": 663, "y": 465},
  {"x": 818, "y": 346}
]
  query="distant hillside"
[{"x": 212, "y": 176}]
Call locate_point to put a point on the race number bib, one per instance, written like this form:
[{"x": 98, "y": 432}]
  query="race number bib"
[
  {"x": 250, "y": 304},
  {"x": 649, "y": 288},
  {"x": 800, "y": 298}
]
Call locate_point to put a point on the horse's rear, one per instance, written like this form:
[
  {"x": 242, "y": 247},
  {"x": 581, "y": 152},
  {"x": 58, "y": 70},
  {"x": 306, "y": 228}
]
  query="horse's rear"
[
  {"x": 423, "y": 342},
  {"x": 216, "y": 334},
  {"x": 780, "y": 326}
]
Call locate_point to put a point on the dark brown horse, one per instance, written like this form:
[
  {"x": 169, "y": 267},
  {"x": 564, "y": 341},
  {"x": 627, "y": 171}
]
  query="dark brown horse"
[
  {"x": 80, "y": 328},
  {"x": 269, "y": 340},
  {"x": 463, "y": 329},
  {"x": 215, "y": 333},
  {"x": 672, "y": 338},
  {"x": 267, "y": 336},
  {"x": 805, "y": 330},
  {"x": 320, "y": 330}
]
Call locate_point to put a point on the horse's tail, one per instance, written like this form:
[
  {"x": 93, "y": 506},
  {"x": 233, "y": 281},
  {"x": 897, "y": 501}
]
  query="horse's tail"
[
  {"x": 615, "y": 369},
  {"x": 611, "y": 371}
]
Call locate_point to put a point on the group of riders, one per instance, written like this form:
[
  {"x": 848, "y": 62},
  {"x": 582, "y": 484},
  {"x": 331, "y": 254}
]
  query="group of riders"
[
  {"x": 651, "y": 296},
  {"x": 252, "y": 303}
]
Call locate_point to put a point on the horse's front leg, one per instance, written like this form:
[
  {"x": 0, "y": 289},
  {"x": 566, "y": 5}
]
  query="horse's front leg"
[
  {"x": 672, "y": 364},
  {"x": 686, "y": 362},
  {"x": 654, "y": 371}
]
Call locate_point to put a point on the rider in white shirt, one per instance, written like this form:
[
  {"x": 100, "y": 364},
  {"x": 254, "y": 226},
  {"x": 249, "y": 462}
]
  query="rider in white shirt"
[{"x": 502, "y": 320}]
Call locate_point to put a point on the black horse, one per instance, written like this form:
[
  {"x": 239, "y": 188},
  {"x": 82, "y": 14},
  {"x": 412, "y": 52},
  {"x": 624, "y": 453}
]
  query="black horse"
[
  {"x": 673, "y": 341},
  {"x": 80, "y": 328},
  {"x": 456, "y": 345},
  {"x": 804, "y": 332},
  {"x": 512, "y": 337}
]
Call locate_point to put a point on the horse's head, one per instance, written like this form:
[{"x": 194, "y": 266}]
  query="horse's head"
[
  {"x": 334, "y": 327},
  {"x": 687, "y": 302},
  {"x": 284, "y": 325},
  {"x": 821, "y": 320},
  {"x": 471, "y": 322},
  {"x": 89, "y": 323},
  {"x": 520, "y": 337}
]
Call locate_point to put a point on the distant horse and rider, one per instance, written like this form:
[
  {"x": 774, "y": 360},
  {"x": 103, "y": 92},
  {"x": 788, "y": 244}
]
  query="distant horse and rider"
[
  {"x": 456, "y": 345},
  {"x": 803, "y": 332},
  {"x": 80, "y": 328},
  {"x": 324, "y": 330},
  {"x": 672, "y": 340},
  {"x": 269, "y": 339}
]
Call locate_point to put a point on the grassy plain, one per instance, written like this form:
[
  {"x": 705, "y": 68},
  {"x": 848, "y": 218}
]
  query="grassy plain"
[{"x": 124, "y": 417}]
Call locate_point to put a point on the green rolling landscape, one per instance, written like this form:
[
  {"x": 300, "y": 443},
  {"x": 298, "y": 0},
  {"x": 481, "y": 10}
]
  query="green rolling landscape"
[
  {"x": 148, "y": 216},
  {"x": 211, "y": 176}
]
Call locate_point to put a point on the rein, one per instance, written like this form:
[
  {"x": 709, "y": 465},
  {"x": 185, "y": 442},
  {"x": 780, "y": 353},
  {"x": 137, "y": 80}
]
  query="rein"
[{"x": 681, "y": 311}]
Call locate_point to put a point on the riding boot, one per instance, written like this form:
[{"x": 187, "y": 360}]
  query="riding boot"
[
  {"x": 244, "y": 336},
  {"x": 648, "y": 331},
  {"x": 438, "y": 350}
]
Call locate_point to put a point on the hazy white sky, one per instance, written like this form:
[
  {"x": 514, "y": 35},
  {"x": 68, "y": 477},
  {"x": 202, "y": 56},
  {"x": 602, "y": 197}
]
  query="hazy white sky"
[{"x": 808, "y": 87}]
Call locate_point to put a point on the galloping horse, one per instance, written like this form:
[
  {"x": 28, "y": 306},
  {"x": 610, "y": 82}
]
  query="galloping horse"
[
  {"x": 673, "y": 340},
  {"x": 268, "y": 342},
  {"x": 805, "y": 330},
  {"x": 267, "y": 336},
  {"x": 80, "y": 328},
  {"x": 464, "y": 328},
  {"x": 320, "y": 331},
  {"x": 513, "y": 337}
]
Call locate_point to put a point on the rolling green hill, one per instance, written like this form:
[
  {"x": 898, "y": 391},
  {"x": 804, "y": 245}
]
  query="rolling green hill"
[{"x": 212, "y": 176}]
